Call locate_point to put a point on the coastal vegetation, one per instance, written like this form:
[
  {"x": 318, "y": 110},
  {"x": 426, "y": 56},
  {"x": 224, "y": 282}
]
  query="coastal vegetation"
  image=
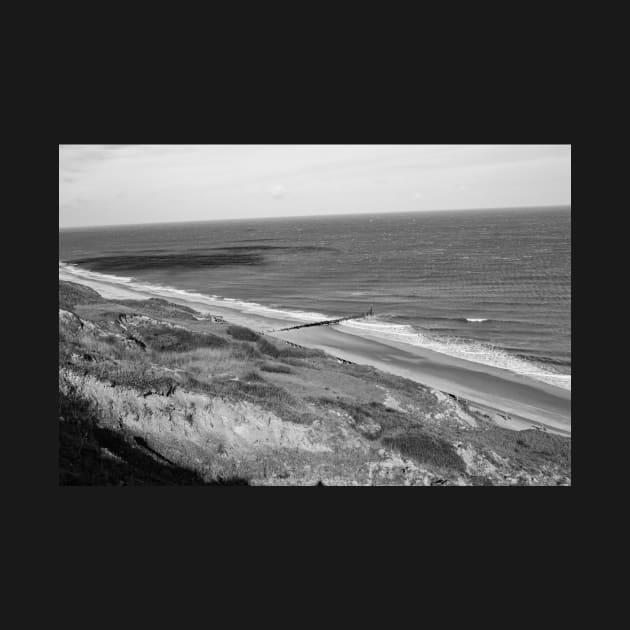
[
  {"x": 151, "y": 394},
  {"x": 242, "y": 333}
]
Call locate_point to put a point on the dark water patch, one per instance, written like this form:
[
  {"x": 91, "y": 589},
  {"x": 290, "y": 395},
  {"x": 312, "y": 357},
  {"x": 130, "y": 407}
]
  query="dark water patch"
[
  {"x": 289, "y": 248},
  {"x": 212, "y": 257},
  {"x": 168, "y": 261}
]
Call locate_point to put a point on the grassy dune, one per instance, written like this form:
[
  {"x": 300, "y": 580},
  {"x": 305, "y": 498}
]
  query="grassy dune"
[{"x": 150, "y": 395}]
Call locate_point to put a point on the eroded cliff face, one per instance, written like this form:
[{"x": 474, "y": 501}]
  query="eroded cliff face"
[{"x": 149, "y": 393}]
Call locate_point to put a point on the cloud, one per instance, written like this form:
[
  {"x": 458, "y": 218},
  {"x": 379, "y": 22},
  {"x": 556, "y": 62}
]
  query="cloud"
[{"x": 278, "y": 191}]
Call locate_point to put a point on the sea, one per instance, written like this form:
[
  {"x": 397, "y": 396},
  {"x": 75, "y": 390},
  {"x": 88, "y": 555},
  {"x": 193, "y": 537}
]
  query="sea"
[{"x": 489, "y": 286}]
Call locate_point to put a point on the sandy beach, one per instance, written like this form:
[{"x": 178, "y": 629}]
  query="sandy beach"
[
  {"x": 511, "y": 400},
  {"x": 524, "y": 401}
]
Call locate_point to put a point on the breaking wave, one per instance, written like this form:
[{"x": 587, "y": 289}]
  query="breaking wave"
[{"x": 475, "y": 351}]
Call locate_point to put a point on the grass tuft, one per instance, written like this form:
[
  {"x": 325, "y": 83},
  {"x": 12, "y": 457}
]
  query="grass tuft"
[
  {"x": 426, "y": 449},
  {"x": 164, "y": 338},
  {"x": 242, "y": 334},
  {"x": 278, "y": 368},
  {"x": 245, "y": 351},
  {"x": 71, "y": 294},
  {"x": 289, "y": 352},
  {"x": 252, "y": 376}
]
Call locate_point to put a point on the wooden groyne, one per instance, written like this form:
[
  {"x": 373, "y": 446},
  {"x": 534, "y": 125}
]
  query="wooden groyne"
[{"x": 326, "y": 322}]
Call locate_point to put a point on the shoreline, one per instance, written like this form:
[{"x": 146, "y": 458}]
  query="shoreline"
[{"x": 527, "y": 402}]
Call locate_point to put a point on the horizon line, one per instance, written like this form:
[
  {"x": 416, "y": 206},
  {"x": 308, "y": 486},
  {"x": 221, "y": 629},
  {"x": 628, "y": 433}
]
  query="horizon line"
[{"x": 304, "y": 216}]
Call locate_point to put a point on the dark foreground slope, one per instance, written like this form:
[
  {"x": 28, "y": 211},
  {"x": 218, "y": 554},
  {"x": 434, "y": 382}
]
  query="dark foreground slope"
[{"x": 151, "y": 394}]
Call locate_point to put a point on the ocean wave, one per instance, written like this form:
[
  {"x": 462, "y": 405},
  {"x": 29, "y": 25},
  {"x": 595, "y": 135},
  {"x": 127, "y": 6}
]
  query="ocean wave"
[
  {"x": 444, "y": 319},
  {"x": 470, "y": 350}
]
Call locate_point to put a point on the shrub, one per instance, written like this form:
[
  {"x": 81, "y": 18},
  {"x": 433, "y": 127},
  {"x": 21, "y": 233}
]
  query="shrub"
[
  {"x": 242, "y": 334},
  {"x": 71, "y": 293},
  {"x": 278, "y": 368},
  {"x": 300, "y": 353},
  {"x": 268, "y": 348},
  {"x": 530, "y": 449},
  {"x": 368, "y": 414},
  {"x": 252, "y": 375},
  {"x": 266, "y": 393},
  {"x": 289, "y": 352},
  {"x": 426, "y": 449},
  {"x": 164, "y": 338},
  {"x": 245, "y": 351},
  {"x": 133, "y": 374}
]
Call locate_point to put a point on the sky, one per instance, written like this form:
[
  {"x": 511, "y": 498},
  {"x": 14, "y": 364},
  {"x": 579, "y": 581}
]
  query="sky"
[{"x": 125, "y": 184}]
